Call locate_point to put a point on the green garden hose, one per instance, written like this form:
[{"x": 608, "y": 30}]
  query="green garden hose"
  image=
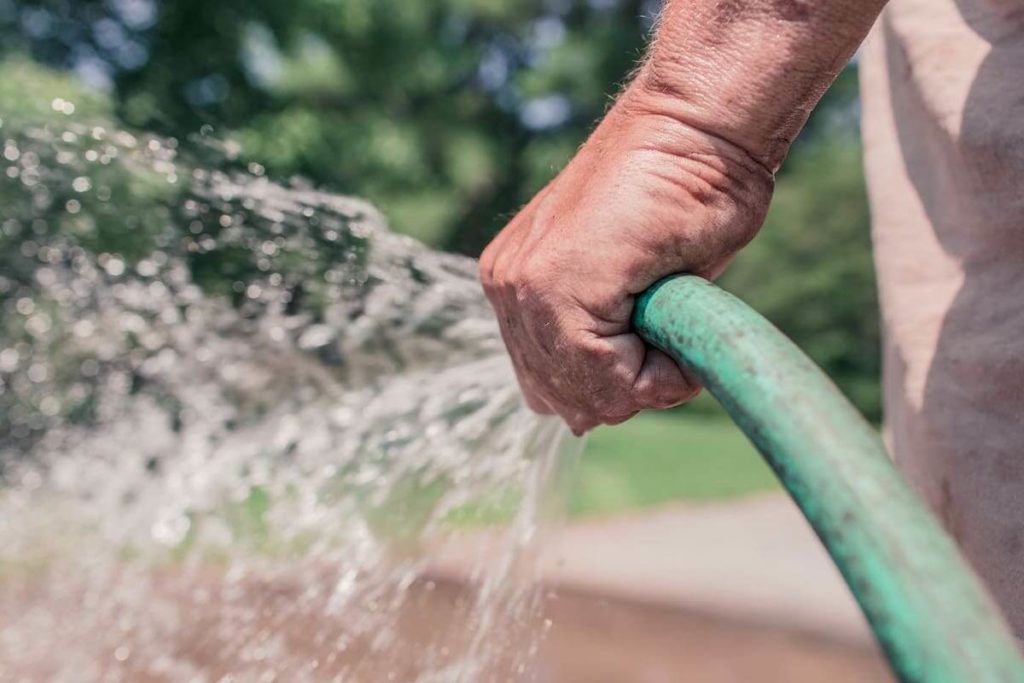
[{"x": 929, "y": 612}]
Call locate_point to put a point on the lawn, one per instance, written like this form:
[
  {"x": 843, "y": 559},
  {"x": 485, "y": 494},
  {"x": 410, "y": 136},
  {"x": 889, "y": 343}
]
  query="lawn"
[
  {"x": 666, "y": 456},
  {"x": 655, "y": 458}
]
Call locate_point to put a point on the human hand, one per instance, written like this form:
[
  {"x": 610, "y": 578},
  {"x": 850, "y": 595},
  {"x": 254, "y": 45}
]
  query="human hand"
[{"x": 646, "y": 196}]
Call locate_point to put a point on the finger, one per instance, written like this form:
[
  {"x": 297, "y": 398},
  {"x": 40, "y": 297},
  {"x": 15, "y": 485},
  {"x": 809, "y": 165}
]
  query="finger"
[
  {"x": 580, "y": 423},
  {"x": 579, "y": 420},
  {"x": 620, "y": 419},
  {"x": 607, "y": 396},
  {"x": 531, "y": 393},
  {"x": 534, "y": 400},
  {"x": 527, "y": 387},
  {"x": 662, "y": 383}
]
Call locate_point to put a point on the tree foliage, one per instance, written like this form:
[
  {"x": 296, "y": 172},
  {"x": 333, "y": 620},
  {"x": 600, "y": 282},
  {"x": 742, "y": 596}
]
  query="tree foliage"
[{"x": 449, "y": 114}]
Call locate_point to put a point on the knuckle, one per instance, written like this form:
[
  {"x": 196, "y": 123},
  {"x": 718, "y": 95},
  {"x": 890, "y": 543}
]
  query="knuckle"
[
  {"x": 540, "y": 265},
  {"x": 604, "y": 357},
  {"x": 486, "y": 275},
  {"x": 487, "y": 264},
  {"x": 522, "y": 291},
  {"x": 529, "y": 280}
]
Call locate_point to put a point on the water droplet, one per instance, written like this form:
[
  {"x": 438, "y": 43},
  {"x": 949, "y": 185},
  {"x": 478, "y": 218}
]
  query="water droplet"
[
  {"x": 114, "y": 266},
  {"x": 49, "y": 406},
  {"x": 25, "y": 306},
  {"x": 37, "y": 372},
  {"x": 171, "y": 530},
  {"x": 38, "y": 325},
  {"x": 9, "y": 360},
  {"x": 146, "y": 268},
  {"x": 359, "y": 398}
]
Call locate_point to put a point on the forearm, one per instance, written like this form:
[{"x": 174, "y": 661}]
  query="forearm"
[{"x": 749, "y": 72}]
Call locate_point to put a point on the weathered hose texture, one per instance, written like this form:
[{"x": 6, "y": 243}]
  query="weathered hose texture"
[{"x": 928, "y": 611}]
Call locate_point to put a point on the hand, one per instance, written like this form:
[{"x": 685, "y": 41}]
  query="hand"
[{"x": 646, "y": 196}]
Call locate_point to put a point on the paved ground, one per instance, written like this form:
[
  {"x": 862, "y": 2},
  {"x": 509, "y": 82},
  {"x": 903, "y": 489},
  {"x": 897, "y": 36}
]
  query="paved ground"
[
  {"x": 590, "y": 639},
  {"x": 756, "y": 560},
  {"x": 727, "y": 593},
  {"x": 753, "y": 561},
  {"x": 611, "y": 641}
]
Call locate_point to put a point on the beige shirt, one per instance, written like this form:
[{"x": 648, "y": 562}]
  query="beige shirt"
[{"x": 943, "y": 98}]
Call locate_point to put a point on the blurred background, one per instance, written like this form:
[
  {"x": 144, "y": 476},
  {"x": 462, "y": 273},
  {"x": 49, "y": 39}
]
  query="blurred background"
[{"x": 448, "y": 115}]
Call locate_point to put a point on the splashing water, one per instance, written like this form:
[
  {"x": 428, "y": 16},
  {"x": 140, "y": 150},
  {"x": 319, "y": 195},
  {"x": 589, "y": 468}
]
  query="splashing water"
[{"x": 235, "y": 418}]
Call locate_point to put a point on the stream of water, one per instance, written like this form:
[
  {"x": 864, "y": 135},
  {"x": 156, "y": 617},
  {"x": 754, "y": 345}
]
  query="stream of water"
[{"x": 237, "y": 418}]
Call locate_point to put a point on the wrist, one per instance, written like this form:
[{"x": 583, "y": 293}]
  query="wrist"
[
  {"x": 642, "y": 121},
  {"x": 763, "y": 131},
  {"x": 750, "y": 73}
]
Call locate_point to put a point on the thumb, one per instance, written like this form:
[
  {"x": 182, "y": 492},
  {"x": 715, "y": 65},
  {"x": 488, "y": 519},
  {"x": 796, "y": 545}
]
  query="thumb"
[{"x": 662, "y": 383}]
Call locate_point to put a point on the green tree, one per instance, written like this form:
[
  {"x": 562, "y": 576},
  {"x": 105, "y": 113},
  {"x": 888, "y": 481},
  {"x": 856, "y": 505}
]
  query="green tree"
[{"x": 449, "y": 114}]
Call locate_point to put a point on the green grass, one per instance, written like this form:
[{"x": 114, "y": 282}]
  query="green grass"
[{"x": 667, "y": 456}]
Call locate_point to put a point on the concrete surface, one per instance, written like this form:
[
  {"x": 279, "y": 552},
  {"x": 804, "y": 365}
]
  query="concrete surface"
[{"x": 753, "y": 560}]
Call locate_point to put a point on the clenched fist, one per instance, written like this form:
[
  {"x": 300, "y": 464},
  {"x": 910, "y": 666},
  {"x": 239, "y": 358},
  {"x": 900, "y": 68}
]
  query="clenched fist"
[{"x": 647, "y": 196}]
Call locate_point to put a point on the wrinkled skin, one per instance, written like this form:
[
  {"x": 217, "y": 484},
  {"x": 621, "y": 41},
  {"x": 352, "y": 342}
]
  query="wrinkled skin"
[{"x": 646, "y": 196}]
